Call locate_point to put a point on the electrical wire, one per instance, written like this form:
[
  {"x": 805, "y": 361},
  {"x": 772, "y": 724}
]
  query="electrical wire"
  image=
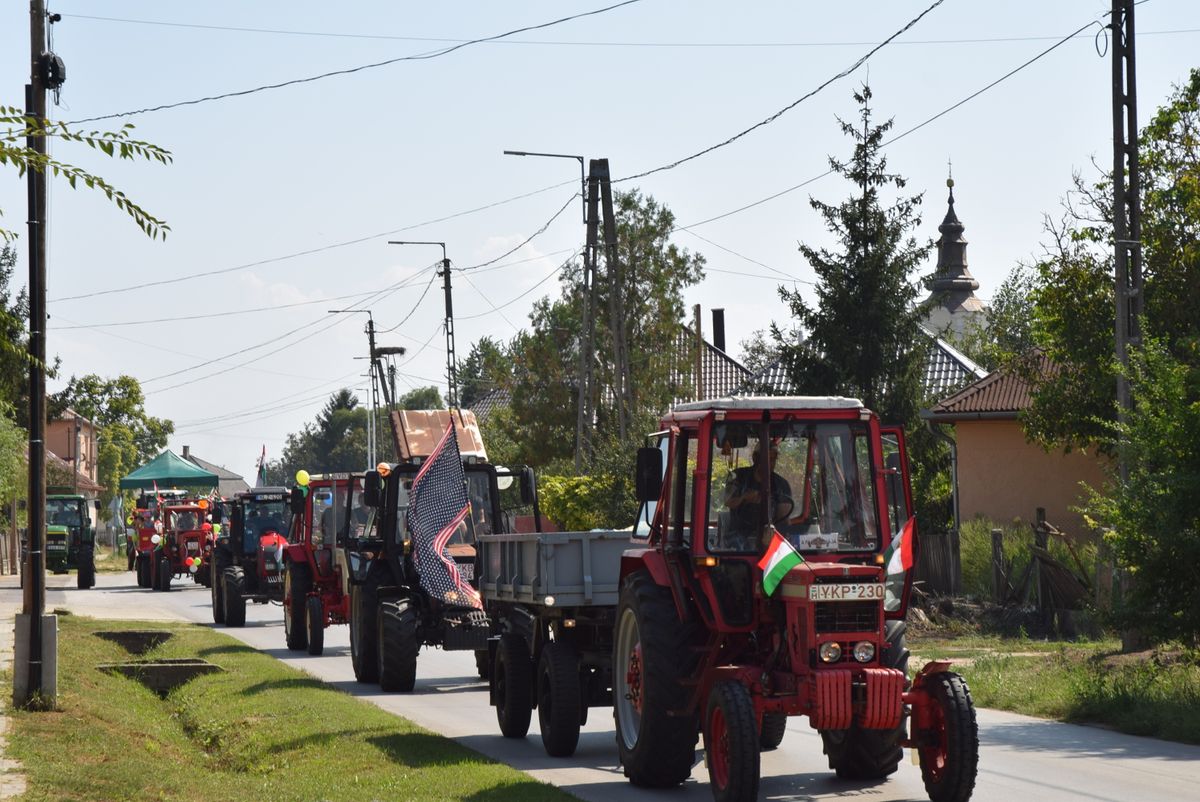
[
  {"x": 350, "y": 70},
  {"x": 496, "y": 309},
  {"x": 528, "y": 239},
  {"x": 291, "y": 403},
  {"x": 788, "y": 276},
  {"x": 861, "y": 60},
  {"x": 424, "y": 292},
  {"x": 554, "y": 272}
]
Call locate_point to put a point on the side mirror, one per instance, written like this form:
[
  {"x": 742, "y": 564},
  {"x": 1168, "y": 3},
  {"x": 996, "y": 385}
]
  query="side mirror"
[
  {"x": 297, "y": 500},
  {"x": 215, "y": 512},
  {"x": 528, "y": 486},
  {"x": 649, "y": 477},
  {"x": 371, "y": 486}
]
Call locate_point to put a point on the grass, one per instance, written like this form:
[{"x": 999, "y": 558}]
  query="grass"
[
  {"x": 1150, "y": 693},
  {"x": 259, "y": 730}
]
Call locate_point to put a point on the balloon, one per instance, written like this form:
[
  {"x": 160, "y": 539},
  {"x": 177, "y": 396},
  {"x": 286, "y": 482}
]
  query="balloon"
[
  {"x": 202, "y": 504},
  {"x": 155, "y": 539},
  {"x": 188, "y": 561},
  {"x": 194, "y": 567},
  {"x": 302, "y": 477}
]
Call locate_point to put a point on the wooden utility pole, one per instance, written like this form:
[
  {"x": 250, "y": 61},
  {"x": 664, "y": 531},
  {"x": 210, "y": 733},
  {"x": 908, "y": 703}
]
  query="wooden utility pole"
[
  {"x": 622, "y": 380},
  {"x": 586, "y": 417}
]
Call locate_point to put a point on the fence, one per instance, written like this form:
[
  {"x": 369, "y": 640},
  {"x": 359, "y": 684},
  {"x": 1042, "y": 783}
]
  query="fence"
[{"x": 938, "y": 569}]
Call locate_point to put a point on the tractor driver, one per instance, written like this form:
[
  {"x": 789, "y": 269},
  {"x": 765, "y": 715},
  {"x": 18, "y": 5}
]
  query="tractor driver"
[{"x": 743, "y": 498}]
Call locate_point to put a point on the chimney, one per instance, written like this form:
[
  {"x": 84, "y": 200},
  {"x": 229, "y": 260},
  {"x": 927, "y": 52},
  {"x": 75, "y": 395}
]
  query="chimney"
[
  {"x": 187, "y": 452},
  {"x": 718, "y": 334}
]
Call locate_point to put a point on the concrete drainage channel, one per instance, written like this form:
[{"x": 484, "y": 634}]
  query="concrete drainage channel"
[{"x": 161, "y": 676}]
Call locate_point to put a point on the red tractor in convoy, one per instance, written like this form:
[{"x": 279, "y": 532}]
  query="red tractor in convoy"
[
  {"x": 702, "y": 645},
  {"x": 185, "y": 542},
  {"x": 316, "y": 586},
  {"x": 146, "y": 523},
  {"x": 248, "y": 555}
]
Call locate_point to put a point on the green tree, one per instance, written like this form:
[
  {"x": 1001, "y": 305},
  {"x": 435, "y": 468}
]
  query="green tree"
[
  {"x": 14, "y": 311},
  {"x": 1005, "y": 333},
  {"x": 13, "y": 471},
  {"x": 486, "y": 368},
  {"x": 422, "y": 398},
  {"x": 128, "y": 436},
  {"x": 335, "y": 441}
]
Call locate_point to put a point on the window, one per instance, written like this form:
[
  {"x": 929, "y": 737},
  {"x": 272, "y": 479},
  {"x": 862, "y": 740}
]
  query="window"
[{"x": 649, "y": 509}]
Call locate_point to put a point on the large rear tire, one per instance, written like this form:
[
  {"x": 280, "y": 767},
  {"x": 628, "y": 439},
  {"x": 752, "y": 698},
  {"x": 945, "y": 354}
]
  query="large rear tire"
[
  {"x": 234, "y": 582},
  {"x": 398, "y": 646},
  {"x": 364, "y": 629},
  {"x": 558, "y": 698},
  {"x": 513, "y": 675},
  {"x": 217, "y": 588},
  {"x": 143, "y": 570},
  {"x": 164, "y": 573},
  {"x": 86, "y": 575},
  {"x": 950, "y": 752},
  {"x": 774, "y": 725},
  {"x": 315, "y": 619},
  {"x": 297, "y": 581},
  {"x": 731, "y": 743},
  {"x": 859, "y": 754},
  {"x": 652, "y": 655}
]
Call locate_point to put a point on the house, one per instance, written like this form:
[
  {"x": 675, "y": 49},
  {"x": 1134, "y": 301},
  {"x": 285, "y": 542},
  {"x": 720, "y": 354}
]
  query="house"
[
  {"x": 72, "y": 452},
  {"x": 228, "y": 482},
  {"x": 1002, "y": 476}
]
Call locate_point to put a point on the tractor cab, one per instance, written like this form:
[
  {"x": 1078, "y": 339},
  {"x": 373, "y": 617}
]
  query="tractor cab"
[{"x": 71, "y": 536}]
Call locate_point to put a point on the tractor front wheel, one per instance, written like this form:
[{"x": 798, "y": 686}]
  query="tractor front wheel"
[
  {"x": 558, "y": 698},
  {"x": 652, "y": 655},
  {"x": 398, "y": 646},
  {"x": 773, "y": 727},
  {"x": 217, "y": 588},
  {"x": 731, "y": 742},
  {"x": 142, "y": 564},
  {"x": 234, "y": 582},
  {"x": 297, "y": 581},
  {"x": 86, "y": 576},
  {"x": 949, "y": 750},
  {"x": 364, "y": 638},
  {"x": 164, "y": 573},
  {"x": 513, "y": 675},
  {"x": 315, "y": 618}
]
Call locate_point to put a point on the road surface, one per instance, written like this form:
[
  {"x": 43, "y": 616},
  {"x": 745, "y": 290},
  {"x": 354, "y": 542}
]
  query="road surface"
[{"x": 1021, "y": 758}]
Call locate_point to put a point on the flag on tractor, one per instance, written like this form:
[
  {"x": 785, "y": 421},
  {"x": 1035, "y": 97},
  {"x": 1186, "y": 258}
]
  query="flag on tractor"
[
  {"x": 899, "y": 555},
  {"x": 261, "y": 480},
  {"x": 438, "y": 506},
  {"x": 780, "y": 558}
]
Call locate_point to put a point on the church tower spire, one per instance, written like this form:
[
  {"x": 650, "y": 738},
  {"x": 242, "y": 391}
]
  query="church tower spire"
[{"x": 952, "y": 288}]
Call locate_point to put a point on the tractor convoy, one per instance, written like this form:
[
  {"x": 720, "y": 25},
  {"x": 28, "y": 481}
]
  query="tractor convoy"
[{"x": 767, "y": 576}]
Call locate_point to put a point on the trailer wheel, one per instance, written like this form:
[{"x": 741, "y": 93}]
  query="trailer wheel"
[
  {"x": 164, "y": 573},
  {"x": 731, "y": 742},
  {"x": 950, "y": 749},
  {"x": 652, "y": 655},
  {"x": 217, "y": 588},
  {"x": 558, "y": 698},
  {"x": 234, "y": 582},
  {"x": 398, "y": 646},
  {"x": 858, "y": 754},
  {"x": 773, "y": 727},
  {"x": 364, "y": 637},
  {"x": 297, "y": 581},
  {"x": 143, "y": 571},
  {"x": 513, "y": 676},
  {"x": 315, "y": 618}
]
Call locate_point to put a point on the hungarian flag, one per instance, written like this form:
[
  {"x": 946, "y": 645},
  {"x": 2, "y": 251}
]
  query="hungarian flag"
[
  {"x": 899, "y": 555},
  {"x": 261, "y": 479},
  {"x": 779, "y": 559}
]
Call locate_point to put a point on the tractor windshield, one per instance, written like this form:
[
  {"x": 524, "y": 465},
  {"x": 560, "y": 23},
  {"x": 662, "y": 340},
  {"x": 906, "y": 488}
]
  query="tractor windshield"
[
  {"x": 65, "y": 512},
  {"x": 330, "y": 508},
  {"x": 811, "y": 481},
  {"x": 265, "y": 515}
]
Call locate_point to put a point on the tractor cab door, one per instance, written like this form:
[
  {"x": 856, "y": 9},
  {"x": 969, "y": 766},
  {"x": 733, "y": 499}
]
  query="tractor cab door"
[
  {"x": 898, "y": 494},
  {"x": 648, "y": 508}
]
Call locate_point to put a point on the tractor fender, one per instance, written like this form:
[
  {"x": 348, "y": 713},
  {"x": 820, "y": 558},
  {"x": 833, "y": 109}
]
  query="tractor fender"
[
  {"x": 296, "y": 553},
  {"x": 929, "y": 669},
  {"x": 649, "y": 559}
]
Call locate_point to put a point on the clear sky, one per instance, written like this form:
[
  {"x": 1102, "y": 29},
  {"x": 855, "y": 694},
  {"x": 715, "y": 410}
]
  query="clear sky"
[{"x": 374, "y": 155}]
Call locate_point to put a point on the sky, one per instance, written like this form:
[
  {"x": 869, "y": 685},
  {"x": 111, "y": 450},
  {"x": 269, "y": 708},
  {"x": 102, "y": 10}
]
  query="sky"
[{"x": 288, "y": 198}]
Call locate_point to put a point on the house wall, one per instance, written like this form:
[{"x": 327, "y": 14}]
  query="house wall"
[
  {"x": 60, "y": 441},
  {"x": 1002, "y": 477}
]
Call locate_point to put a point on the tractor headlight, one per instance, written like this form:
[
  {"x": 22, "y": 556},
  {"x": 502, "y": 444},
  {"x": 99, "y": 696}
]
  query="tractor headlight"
[
  {"x": 864, "y": 651},
  {"x": 830, "y": 652}
]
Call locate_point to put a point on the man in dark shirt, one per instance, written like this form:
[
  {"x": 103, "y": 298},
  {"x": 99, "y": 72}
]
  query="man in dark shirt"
[{"x": 743, "y": 498}]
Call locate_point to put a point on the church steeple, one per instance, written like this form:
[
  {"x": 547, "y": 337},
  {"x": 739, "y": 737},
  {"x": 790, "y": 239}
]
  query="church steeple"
[{"x": 952, "y": 287}]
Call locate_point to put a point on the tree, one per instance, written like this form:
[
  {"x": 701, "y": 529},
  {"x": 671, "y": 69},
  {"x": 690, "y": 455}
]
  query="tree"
[
  {"x": 14, "y": 311},
  {"x": 335, "y": 441},
  {"x": 12, "y": 458},
  {"x": 1005, "y": 334},
  {"x": 128, "y": 436},
  {"x": 422, "y": 398},
  {"x": 485, "y": 369}
]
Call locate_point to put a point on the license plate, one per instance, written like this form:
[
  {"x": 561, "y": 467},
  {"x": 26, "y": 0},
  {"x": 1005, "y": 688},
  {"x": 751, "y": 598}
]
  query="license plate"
[
  {"x": 56, "y": 547},
  {"x": 847, "y": 591},
  {"x": 193, "y": 546},
  {"x": 466, "y": 570}
]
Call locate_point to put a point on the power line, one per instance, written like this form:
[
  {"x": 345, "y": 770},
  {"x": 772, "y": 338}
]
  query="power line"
[
  {"x": 748, "y": 259},
  {"x": 496, "y": 309},
  {"x": 531, "y": 289},
  {"x": 412, "y": 311},
  {"x": 287, "y": 405},
  {"x": 416, "y": 57},
  {"x": 528, "y": 239},
  {"x": 862, "y": 60},
  {"x": 546, "y": 42}
]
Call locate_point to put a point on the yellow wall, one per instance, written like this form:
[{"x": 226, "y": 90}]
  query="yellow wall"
[
  {"x": 61, "y": 440},
  {"x": 1002, "y": 477}
]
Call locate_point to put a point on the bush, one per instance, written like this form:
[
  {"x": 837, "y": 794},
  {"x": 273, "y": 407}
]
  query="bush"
[{"x": 975, "y": 551}]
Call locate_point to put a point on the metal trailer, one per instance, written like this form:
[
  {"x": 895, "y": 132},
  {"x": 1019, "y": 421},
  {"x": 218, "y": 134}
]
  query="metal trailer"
[{"x": 552, "y": 598}]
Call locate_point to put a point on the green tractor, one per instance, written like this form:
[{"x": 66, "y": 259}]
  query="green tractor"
[{"x": 71, "y": 537}]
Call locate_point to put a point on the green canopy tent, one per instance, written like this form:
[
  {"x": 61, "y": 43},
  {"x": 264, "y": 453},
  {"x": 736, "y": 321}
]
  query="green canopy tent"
[{"x": 169, "y": 470}]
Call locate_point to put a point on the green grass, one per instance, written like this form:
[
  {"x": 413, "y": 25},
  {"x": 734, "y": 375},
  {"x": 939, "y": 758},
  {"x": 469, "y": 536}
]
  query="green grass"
[{"x": 259, "y": 730}]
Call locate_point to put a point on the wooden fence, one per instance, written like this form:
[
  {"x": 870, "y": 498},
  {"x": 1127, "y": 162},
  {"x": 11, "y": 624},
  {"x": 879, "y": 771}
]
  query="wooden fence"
[{"x": 938, "y": 568}]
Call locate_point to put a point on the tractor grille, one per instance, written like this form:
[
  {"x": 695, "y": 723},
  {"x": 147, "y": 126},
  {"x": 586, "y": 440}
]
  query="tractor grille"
[{"x": 859, "y": 616}]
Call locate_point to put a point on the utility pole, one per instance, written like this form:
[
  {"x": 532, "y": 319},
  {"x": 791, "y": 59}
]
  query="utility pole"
[
  {"x": 373, "y": 422},
  {"x": 586, "y": 415},
  {"x": 451, "y": 365},
  {"x": 623, "y": 389}
]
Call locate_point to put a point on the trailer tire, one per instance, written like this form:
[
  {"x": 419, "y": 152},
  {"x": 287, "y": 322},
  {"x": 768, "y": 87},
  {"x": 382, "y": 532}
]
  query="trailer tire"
[
  {"x": 217, "y": 588},
  {"x": 773, "y": 727},
  {"x": 558, "y": 698},
  {"x": 513, "y": 676},
  {"x": 142, "y": 564},
  {"x": 297, "y": 581},
  {"x": 164, "y": 573},
  {"x": 859, "y": 754},
  {"x": 731, "y": 743},
  {"x": 398, "y": 646},
  {"x": 652, "y": 654},
  {"x": 949, "y": 766},
  {"x": 314, "y": 617},
  {"x": 364, "y": 635},
  {"x": 234, "y": 585}
]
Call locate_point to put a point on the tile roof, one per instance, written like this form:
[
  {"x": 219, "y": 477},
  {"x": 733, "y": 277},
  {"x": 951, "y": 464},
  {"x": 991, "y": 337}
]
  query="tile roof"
[
  {"x": 722, "y": 374},
  {"x": 1000, "y": 394},
  {"x": 228, "y": 482},
  {"x": 489, "y": 402}
]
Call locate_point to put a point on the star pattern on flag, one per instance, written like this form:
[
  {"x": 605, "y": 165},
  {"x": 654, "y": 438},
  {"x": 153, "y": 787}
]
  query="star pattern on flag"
[{"x": 438, "y": 506}]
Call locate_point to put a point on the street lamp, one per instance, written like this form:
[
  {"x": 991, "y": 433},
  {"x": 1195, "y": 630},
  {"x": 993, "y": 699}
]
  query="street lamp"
[
  {"x": 374, "y": 392},
  {"x": 582, "y": 178}
]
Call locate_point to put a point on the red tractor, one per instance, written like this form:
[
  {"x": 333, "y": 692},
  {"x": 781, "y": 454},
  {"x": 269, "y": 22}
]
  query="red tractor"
[
  {"x": 182, "y": 547},
  {"x": 147, "y": 522},
  {"x": 708, "y": 642},
  {"x": 316, "y": 585}
]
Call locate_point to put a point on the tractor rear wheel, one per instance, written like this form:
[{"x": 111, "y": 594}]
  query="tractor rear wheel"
[
  {"x": 130, "y": 555},
  {"x": 558, "y": 698},
  {"x": 297, "y": 581},
  {"x": 143, "y": 571},
  {"x": 234, "y": 585},
  {"x": 217, "y": 588},
  {"x": 731, "y": 742},
  {"x": 86, "y": 575},
  {"x": 652, "y": 655},
  {"x": 773, "y": 727},
  {"x": 164, "y": 573},
  {"x": 950, "y": 751},
  {"x": 364, "y": 629},
  {"x": 513, "y": 676},
  {"x": 398, "y": 646},
  {"x": 315, "y": 618},
  {"x": 859, "y": 754}
]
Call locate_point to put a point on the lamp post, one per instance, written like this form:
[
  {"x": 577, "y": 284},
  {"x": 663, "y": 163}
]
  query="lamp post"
[
  {"x": 451, "y": 362},
  {"x": 374, "y": 391},
  {"x": 585, "y": 351}
]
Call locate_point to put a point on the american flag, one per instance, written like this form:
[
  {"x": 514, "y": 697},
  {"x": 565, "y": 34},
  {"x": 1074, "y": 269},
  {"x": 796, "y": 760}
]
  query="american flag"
[{"x": 438, "y": 506}]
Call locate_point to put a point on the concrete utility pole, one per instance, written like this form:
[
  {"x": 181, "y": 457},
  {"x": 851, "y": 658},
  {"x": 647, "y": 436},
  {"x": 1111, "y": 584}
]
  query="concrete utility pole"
[{"x": 451, "y": 362}]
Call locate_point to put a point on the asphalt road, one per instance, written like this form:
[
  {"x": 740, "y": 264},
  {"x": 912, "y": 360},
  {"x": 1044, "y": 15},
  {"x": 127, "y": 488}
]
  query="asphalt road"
[{"x": 1021, "y": 758}]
